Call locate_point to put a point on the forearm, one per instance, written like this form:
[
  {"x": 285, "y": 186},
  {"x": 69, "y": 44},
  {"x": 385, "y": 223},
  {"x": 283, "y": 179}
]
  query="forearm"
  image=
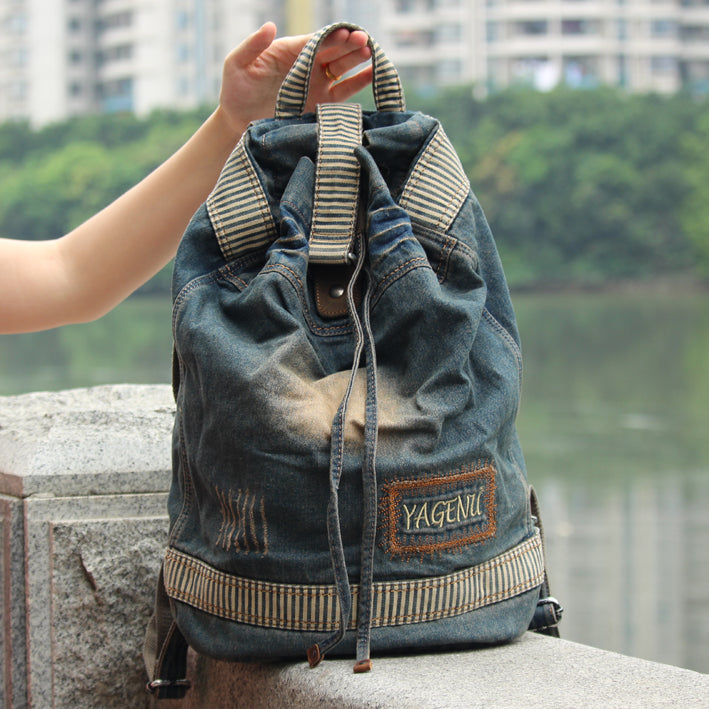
[
  {"x": 136, "y": 235},
  {"x": 87, "y": 272}
]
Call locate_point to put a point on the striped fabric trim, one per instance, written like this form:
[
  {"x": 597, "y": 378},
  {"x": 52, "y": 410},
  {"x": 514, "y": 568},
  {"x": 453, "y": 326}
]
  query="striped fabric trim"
[
  {"x": 388, "y": 94},
  {"x": 337, "y": 182},
  {"x": 316, "y": 607},
  {"x": 238, "y": 208},
  {"x": 438, "y": 186}
]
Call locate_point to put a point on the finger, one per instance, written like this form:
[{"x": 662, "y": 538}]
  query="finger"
[
  {"x": 353, "y": 38},
  {"x": 352, "y": 85},
  {"x": 254, "y": 45},
  {"x": 338, "y": 67},
  {"x": 355, "y": 45}
]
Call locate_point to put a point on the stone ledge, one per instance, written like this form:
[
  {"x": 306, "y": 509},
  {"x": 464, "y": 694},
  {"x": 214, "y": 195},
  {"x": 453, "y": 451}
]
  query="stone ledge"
[
  {"x": 534, "y": 672},
  {"x": 83, "y": 481}
]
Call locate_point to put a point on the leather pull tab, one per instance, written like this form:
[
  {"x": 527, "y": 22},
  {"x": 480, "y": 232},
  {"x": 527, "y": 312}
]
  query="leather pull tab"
[
  {"x": 314, "y": 656},
  {"x": 363, "y": 666},
  {"x": 330, "y": 284}
]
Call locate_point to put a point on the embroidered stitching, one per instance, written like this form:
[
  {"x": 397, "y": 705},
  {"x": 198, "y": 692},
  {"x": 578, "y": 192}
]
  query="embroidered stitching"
[
  {"x": 241, "y": 528},
  {"x": 462, "y": 512}
]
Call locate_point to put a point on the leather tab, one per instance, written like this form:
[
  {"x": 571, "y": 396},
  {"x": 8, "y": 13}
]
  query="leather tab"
[
  {"x": 330, "y": 285},
  {"x": 314, "y": 656},
  {"x": 363, "y": 666}
]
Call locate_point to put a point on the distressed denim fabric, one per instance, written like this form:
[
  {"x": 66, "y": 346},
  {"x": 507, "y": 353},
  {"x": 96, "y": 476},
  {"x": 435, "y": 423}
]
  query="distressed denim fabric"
[{"x": 261, "y": 376}]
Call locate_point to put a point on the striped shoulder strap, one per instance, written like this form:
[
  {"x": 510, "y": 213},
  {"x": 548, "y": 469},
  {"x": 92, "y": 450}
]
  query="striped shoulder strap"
[
  {"x": 437, "y": 187},
  {"x": 238, "y": 208}
]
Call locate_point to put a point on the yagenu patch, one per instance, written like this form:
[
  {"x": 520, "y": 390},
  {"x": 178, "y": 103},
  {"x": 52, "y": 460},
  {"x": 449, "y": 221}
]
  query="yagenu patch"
[{"x": 440, "y": 512}]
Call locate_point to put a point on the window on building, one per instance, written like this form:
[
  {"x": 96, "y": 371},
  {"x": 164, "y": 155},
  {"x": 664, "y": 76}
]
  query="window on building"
[
  {"x": 115, "y": 21},
  {"x": 17, "y": 90},
  {"x": 663, "y": 65},
  {"x": 621, "y": 29},
  {"x": 117, "y": 53},
  {"x": 420, "y": 76},
  {"x": 18, "y": 57},
  {"x": 539, "y": 72},
  {"x": 579, "y": 27},
  {"x": 116, "y": 95},
  {"x": 492, "y": 31},
  {"x": 532, "y": 27},
  {"x": 183, "y": 86},
  {"x": 405, "y": 6},
  {"x": 449, "y": 33},
  {"x": 450, "y": 71},
  {"x": 581, "y": 72},
  {"x": 696, "y": 76},
  {"x": 622, "y": 70},
  {"x": 663, "y": 28},
  {"x": 182, "y": 20},
  {"x": 695, "y": 33},
  {"x": 414, "y": 38},
  {"x": 17, "y": 23}
]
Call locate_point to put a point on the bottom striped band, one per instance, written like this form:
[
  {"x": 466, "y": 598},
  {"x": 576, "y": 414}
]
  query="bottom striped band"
[{"x": 316, "y": 608}]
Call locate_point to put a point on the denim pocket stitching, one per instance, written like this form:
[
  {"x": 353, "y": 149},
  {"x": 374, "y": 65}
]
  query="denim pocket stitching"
[
  {"x": 507, "y": 338},
  {"x": 401, "y": 270},
  {"x": 298, "y": 286}
]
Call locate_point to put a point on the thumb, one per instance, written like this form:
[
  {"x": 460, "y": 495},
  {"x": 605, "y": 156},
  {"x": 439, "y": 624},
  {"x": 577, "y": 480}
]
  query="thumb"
[{"x": 254, "y": 45}]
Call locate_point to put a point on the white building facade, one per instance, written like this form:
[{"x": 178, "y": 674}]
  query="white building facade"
[
  {"x": 60, "y": 58},
  {"x": 639, "y": 45}
]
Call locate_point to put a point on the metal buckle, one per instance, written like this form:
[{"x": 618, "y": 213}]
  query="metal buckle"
[
  {"x": 157, "y": 684},
  {"x": 551, "y": 601}
]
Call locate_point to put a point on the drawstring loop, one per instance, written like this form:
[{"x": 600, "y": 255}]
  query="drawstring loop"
[{"x": 364, "y": 342}]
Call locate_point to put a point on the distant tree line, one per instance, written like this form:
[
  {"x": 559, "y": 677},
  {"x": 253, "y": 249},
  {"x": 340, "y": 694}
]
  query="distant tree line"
[{"x": 578, "y": 186}]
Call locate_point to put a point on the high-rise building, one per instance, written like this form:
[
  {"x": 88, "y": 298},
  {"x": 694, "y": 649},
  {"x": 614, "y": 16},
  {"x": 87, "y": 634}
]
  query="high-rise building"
[
  {"x": 60, "y": 58},
  {"x": 640, "y": 45}
]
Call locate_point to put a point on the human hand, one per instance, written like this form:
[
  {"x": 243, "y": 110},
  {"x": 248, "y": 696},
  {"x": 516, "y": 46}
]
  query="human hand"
[{"x": 254, "y": 71}]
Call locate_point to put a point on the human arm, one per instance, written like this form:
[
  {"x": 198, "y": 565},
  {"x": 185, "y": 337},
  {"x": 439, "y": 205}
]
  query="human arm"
[{"x": 85, "y": 273}]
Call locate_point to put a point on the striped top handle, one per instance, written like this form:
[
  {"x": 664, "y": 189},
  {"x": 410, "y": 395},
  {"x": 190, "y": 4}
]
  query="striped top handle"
[
  {"x": 388, "y": 94},
  {"x": 336, "y": 197}
]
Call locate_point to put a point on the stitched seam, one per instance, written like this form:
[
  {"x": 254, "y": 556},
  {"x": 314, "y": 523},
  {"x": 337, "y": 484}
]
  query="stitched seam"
[
  {"x": 270, "y": 621},
  {"x": 298, "y": 287},
  {"x": 507, "y": 338},
  {"x": 418, "y": 262},
  {"x": 437, "y": 583}
]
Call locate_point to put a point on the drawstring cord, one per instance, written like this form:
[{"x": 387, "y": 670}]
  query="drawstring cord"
[
  {"x": 369, "y": 487},
  {"x": 364, "y": 341}
]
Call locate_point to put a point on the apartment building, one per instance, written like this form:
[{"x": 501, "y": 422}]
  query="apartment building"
[
  {"x": 640, "y": 45},
  {"x": 60, "y": 58}
]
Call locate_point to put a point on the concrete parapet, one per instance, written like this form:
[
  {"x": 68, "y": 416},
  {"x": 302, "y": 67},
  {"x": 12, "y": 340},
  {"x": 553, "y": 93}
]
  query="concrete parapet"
[{"x": 83, "y": 487}]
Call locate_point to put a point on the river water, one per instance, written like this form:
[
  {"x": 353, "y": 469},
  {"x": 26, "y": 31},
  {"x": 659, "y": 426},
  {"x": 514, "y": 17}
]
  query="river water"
[{"x": 614, "y": 424}]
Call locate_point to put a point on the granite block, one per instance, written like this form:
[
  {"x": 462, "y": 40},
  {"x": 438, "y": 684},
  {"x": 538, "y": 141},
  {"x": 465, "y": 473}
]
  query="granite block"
[
  {"x": 100, "y": 440},
  {"x": 91, "y": 566},
  {"x": 84, "y": 476},
  {"x": 13, "y": 628}
]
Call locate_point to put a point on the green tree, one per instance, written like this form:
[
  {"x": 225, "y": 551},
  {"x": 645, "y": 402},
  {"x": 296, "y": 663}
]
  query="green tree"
[{"x": 695, "y": 214}]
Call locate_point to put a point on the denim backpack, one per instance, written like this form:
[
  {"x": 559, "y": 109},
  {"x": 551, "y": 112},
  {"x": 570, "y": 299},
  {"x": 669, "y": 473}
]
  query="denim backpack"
[{"x": 347, "y": 376}]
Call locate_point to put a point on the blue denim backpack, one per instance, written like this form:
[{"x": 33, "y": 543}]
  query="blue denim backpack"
[{"x": 347, "y": 374}]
